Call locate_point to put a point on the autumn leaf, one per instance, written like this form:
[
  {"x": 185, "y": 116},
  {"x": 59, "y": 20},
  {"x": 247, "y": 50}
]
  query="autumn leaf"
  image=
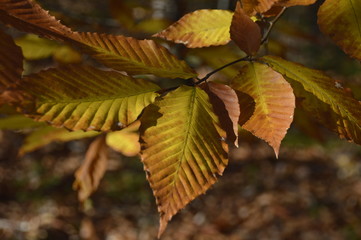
[
  {"x": 92, "y": 170},
  {"x": 183, "y": 149},
  {"x": 346, "y": 110},
  {"x": 125, "y": 141},
  {"x": 244, "y": 32},
  {"x": 11, "y": 62},
  {"x": 47, "y": 134},
  {"x": 274, "y": 99},
  {"x": 118, "y": 52},
  {"x": 251, "y": 7},
  {"x": 341, "y": 21},
  {"x": 83, "y": 97},
  {"x": 225, "y": 104},
  {"x": 18, "y": 122},
  {"x": 202, "y": 28}
]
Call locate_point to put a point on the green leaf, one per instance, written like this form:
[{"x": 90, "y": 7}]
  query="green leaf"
[
  {"x": 341, "y": 20},
  {"x": 43, "y": 136},
  {"x": 201, "y": 28},
  {"x": 274, "y": 99},
  {"x": 83, "y": 97},
  {"x": 17, "y": 122},
  {"x": 11, "y": 62},
  {"x": 346, "y": 115},
  {"x": 183, "y": 149}
]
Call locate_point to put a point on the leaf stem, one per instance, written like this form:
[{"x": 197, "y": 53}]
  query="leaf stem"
[
  {"x": 205, "y": 78},
  {"x": 271, "y": 24}
]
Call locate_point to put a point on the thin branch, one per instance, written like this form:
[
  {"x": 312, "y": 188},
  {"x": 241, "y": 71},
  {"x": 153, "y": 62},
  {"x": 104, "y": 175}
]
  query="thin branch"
[
  {"x": 271, "y": 24},
  {"x": 205, "y": 78}
]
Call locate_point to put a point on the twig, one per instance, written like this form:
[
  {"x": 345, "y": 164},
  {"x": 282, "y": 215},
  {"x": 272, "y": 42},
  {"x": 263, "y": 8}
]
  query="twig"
[{"x": 271, "y": 24}]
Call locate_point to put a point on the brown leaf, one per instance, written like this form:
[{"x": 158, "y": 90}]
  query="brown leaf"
[
  {"x": 92, "y": 170},
  {"x": 250, "y": 7},
  {"x": 11, "y": 61},
  {"x": 275, "y": 102},
  {"x": 225, "y": 104},
  {"x": 244, "y": 32}
]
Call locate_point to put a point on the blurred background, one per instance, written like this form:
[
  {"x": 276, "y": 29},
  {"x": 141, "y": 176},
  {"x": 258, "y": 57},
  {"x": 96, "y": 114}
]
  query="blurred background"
[{"x": 313, "y": 191}]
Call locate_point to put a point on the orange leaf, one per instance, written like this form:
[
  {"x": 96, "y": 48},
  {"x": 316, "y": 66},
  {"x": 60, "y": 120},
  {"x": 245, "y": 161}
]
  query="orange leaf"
[
  {"x": 275, "y": 102},
  {"x": 250, "y": 7},
  {"x": 341, "y": 20},
  {"x": 88, "y": 176},
  {"x": 200, "y": 28},
  {"x": 11, "y": 61},
  {"x": 244, "y": 32},
  {"x": 225, "y": 104}
]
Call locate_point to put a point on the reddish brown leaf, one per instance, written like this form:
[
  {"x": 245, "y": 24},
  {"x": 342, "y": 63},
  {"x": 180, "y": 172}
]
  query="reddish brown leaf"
[
  {"x": 225, "y": 104},
  {"x": 11, "y": 61},
  {"x": 88, "y": 176},
  {"x": 250, "y": 7},
  {"x": 244, "y": 32}
]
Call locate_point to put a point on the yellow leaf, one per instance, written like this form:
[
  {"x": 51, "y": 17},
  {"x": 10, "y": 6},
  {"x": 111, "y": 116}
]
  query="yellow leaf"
[
  {"x": 82, "y": 97},
  {"x": 45, "y": 135},
  {"x": 16, "y": 122},
  {"x": 290, "y": 3},
  {"x": 346, "y": 111},
  {"x": 11, "y": 61},
  {"x": 202, "y": 28},
  {"x": 183, "y": 149},
  {"x": 244, "y": 32},
  {"x": 341, "y": 20},
  {"x": 35, "y": 48},
  {"x": 275, "y": 102},
  {"x": 250, "y": 7},
  {"x": 92, "y": 170},
  {"x": 125, "y": 141}
]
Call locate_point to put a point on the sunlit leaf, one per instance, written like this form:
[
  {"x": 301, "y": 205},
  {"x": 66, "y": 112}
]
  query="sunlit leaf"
[
  {"x": 35, "y": 48},
  {"x": 226, "y": 106},
  {"x": 290, "y": 3},
  {"x": 275, "y": 102},
  {"x": 183, "y": 149},
  {"x": 83, "y": 97},
  {"x": 346, "y": 110},
  {"x": 125, "y": 141},
  {"x": 45, "y": 135},
  {"x": 11, "y": 61},
  {"x": 244, "y": 32},
  {"x": 118, "y": 52},
  {"x": 341, "y": 20},
  {"x": 200, "y": 28},
  {"x": 89, "y": 174},
  {"x": 250, "y": 7}
]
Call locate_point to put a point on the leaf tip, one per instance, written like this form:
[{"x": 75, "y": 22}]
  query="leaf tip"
[{"x": 163, "y": 222}]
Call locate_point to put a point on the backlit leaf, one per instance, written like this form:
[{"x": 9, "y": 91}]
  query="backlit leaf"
[
  {"x": 125, "y": 141},
  {"x": 11, "y": 61},
  {"x": 83, "y": 97},
  {"x": 341, "y": 20},
  {"x": 275, "y": 102},
  {"x": 118, "y": 52},
  {"x": 88, "y": 176},
  {"x": 250, "y": 7},
  {"x": 346, "y": 108},
  {"x": 200, "y": 28},
  {"x": 45, "y": 135},
  {"x": 226, "y": 106},
  {"x": 183, "y": 149},
  {"x": 35, "y": 48},
  {"x": 244, "y": 32}
]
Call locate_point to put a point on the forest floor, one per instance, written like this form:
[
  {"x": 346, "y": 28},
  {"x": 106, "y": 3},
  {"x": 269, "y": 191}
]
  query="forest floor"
[{"x": 310, "y": 192}]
